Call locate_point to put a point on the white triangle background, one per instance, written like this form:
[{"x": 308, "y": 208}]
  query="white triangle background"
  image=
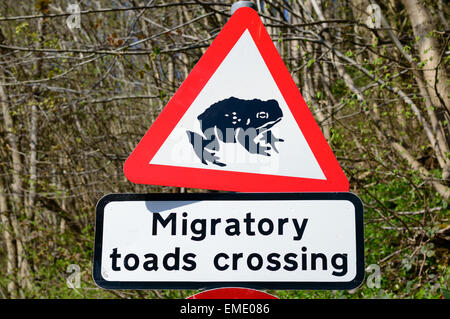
[{"x": 242, "y": 74}]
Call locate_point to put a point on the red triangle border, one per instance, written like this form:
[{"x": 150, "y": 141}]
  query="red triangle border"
[{"x": 138, "y": 170}]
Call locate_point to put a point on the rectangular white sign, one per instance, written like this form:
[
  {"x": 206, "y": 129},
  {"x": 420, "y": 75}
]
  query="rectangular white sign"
[{"x": 261, "y": 241}]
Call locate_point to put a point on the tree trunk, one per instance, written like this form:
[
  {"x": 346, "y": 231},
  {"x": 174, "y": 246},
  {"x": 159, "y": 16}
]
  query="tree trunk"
[{"x": 430, "y": 54}]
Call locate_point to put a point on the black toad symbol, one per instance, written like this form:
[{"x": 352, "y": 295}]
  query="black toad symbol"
[{"x": 236, "y": 120}]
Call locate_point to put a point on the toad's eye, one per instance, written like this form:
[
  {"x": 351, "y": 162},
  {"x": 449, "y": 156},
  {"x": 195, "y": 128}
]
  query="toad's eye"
[{"x": 262, "y": 115}]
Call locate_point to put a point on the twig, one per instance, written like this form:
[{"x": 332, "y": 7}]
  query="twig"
[{"x": 105, "y": 10}]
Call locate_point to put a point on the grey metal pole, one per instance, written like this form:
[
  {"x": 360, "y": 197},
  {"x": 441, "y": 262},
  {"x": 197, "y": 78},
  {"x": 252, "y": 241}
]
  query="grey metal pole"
[{"x": 241, "y": 4}]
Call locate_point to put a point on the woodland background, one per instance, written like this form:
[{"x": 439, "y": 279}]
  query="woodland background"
[{"x": 74, "y": 103}]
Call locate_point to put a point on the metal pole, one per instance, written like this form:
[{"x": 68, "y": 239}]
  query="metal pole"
[{"x": 241, "y": 4}]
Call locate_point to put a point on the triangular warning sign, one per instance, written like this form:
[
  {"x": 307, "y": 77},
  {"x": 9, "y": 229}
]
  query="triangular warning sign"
[{"x": 237, "y": 123}]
